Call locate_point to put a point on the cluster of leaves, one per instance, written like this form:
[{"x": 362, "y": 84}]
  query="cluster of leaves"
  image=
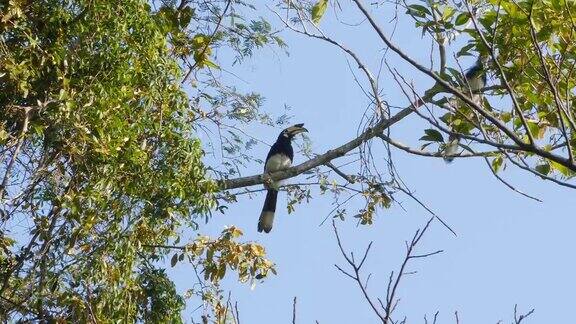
[
  {"x": 158, "y": 301},
  {"x": 297, "y": 195},
  {"x": 529, "y": 49},
  {"x": 376, "y": 196},
  {"x": 216, "y": 255},
  {"x": 208, "y": 37}
]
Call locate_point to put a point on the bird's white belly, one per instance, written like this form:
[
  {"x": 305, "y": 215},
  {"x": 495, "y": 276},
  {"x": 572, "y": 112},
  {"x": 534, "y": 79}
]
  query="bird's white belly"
[
  {"x": 476, "y": 83},
  {"x": 277, "y": 162}
]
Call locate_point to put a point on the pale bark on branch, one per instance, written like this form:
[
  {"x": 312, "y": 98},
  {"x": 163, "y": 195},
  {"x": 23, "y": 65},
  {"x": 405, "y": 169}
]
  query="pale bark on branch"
[{"x": 322, "y": 159}]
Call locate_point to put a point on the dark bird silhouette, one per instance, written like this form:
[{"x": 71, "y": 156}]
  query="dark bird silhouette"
[
  {"x": 279, "y": 158},
  {"x": 475, "y": 79}
]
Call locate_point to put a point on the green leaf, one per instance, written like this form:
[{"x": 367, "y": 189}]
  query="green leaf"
[
  {"x": 462, "y": 19},
  {"x": 562, "y": 169},
  {"x": 543, "y": 168},
  {"x": 3, "y": 135},
  {"x": 200, "y": 41},
  {"x": 432, "y": 135},
  {"x": 174, "y": 260},
  {"x": 184, "y": 16},
  {"x": 464, "y": 51},
  {"x": 318, "y": 10},
  {"x": 418, "y": 10},
  {"x": 497, "y": 163},
  {"x": 535, "y": 129},
  {"x": 211, "y": 64},
  {"x": 448, "y": 13},
  {"x": 425, "y": 146}
]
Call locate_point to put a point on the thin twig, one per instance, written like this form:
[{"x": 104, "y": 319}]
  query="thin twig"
[
  {"x": 208, "y": 42},
  {"x": 294, "y": 311},
  {"x": 340, "y": 173}
]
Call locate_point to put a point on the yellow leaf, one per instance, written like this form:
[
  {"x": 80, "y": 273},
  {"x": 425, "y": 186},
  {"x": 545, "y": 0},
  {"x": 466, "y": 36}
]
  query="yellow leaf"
[
  {"x": 257, "y": 250},
  {"x": 562, "y": 169},
  {"x": 318, "y": 10},
  {"x": 236, "y": 232}
]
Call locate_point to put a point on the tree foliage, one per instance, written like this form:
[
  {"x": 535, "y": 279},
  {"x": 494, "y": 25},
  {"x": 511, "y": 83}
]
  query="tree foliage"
[
  {"x": 100, "y": 157},
  {"x": 524, "y": 117},
  {"x": 101, "y": 105},
  {"x": 529, "y": 48}
]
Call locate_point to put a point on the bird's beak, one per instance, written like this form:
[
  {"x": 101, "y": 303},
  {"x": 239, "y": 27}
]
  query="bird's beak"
[
  {"x": 300, "y": 130},
  {"x": 297, "y": 129}
]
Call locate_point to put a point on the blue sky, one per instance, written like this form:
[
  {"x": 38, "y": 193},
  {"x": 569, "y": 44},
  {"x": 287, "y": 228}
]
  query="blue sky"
[{"x": 509, "y": 249}]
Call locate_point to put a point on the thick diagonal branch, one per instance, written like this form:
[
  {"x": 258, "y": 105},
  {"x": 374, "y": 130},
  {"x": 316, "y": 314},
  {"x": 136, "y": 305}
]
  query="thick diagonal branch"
[
  {"x": 330, "y": 155},
  {"x": 530, "y": 147}
]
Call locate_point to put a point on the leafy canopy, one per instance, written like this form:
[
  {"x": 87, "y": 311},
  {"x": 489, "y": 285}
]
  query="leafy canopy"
[{"x": 100, "y": 157}]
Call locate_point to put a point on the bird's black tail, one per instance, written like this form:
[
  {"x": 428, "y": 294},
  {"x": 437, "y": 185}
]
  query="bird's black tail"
[{"x": 267, "y": 216}]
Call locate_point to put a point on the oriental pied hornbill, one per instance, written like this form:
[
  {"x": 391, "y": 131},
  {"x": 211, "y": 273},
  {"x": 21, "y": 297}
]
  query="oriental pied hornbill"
[
  {"x": 280, "y": 157},
  {"x": 475, "y": 81}
]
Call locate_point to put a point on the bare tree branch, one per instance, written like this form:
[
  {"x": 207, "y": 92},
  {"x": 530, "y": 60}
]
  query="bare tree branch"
[
  {"x": 519, "y": 318},
  {"x": 340, "y": 173},
  {"x": 394, "y": 281}
]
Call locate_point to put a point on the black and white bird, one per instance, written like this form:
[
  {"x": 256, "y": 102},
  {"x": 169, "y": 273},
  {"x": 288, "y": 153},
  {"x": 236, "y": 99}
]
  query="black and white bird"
[
  {"x": 475, "y": 81},
  {"x": 279, "y": 158}
]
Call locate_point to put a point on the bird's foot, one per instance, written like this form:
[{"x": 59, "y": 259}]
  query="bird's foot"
[
  {"x": 269, "y": 183},
  {"x": 267, "y": 180}
]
